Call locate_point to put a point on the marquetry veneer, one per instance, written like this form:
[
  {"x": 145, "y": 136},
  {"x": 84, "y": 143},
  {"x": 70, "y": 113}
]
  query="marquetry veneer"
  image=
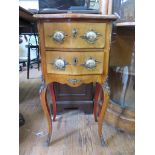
[{"x": 74, "y": 51}]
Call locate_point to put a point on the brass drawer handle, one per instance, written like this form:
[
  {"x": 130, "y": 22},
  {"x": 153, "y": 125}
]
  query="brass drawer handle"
[
  {"x": 58, "y": 36},
  {"x": 91, "y": 36},
  {"x": 59, "y": 63},
  {"x": 74, "y": 81},
  {"x": 90, "y": 63}
]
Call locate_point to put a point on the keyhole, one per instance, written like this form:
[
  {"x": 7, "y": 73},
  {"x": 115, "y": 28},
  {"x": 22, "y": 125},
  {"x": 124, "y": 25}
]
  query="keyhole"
[{"x": 75, "y": 61}]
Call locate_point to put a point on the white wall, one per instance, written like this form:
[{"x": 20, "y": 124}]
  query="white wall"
[{"x": 29, "y": 4}]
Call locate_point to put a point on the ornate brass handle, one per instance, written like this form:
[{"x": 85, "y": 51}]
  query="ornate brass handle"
[
  {"x": 91, "y": 36},
  {"x": 58, "y": 36},
  {"x": 74, "y": 81},
  {"x": 60, "y": 63},
  {"x": 90, "y": 63}
]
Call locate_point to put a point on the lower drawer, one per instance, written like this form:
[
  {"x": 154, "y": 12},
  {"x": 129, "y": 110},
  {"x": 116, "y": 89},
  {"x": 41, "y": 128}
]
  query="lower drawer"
[{"x": 74, "y": 63}]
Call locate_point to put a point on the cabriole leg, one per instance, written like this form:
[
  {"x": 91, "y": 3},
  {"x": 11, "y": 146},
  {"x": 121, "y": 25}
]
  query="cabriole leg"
[
  {"x": 46, "y": 110},
  {"x": 53, "y": 100},
  {"x": 106, "y": 93},
  {"x": 96, "y": 98}
]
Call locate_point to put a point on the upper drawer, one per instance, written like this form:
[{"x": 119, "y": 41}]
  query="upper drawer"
[
  {"x": 74, "y": 35},
  {"x": 74, "y": 63}
]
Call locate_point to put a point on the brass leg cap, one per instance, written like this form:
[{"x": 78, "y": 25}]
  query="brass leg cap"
[{"x": 103, "y": 141}]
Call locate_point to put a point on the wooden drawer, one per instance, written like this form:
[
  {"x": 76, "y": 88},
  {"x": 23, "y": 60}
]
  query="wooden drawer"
[
  {"x": 74, "y": 80},
  {"x": 75, "y": 35},
  {"x": 77, "y": 63}
]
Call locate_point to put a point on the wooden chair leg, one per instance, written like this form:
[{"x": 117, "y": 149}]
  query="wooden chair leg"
[
  {"x": 53, "y": 101},
  {"x": 106, "y": 93},
  {"x": 96, "y": 97},
  {"x": 46, "y": 111}
]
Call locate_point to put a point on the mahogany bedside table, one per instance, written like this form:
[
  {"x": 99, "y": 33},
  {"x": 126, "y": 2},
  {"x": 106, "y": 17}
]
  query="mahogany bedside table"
[{"x": 74, "y": 51}]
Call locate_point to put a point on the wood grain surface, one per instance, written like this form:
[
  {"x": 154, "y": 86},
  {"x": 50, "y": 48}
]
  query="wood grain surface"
[
  {"x": 69, "y": 41},
  {"x": 77, "y": 69},
  {"x": 76, "y": 16}
]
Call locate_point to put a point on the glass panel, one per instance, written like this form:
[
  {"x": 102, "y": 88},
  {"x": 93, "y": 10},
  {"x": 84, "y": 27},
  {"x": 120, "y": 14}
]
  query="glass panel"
[
  {"x": 69, "y": 5},
  {"x": 125, "y": 9},
  {"x": 122, "y": 58},
  {"x": 122, "y": 84}
]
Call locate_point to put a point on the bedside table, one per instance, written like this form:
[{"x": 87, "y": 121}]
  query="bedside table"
[{"x": 74, "y": 51}]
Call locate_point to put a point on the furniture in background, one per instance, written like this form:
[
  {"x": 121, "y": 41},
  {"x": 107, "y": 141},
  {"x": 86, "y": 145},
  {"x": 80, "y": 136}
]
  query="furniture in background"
[
  {"x": 22, "y": 59},
  {"x": 32, "y": 61},
  {"x": 27, "y": 27},
  {"x": 25, "y": 19},
  {"x": 75, "y": 51},
  {"x": 21, "y": 120},
  {"x": 121, "y": 109}
]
